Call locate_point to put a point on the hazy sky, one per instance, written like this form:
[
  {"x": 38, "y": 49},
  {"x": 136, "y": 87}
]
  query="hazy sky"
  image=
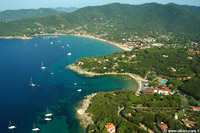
[{"x": 27, "y": 4}]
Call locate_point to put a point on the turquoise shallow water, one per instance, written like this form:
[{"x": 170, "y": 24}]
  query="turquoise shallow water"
[{"x": 23, "y": 105}]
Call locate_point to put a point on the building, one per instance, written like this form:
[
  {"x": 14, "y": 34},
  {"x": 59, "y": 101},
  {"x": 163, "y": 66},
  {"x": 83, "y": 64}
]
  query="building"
[
  {"x": 195, "y": 108},
  {"x": 148, "y": 92},
  {"x": 189, "y": 123},
  {"x": 162, "y": 127},
  {"x": 162, "y": 90},
  {"x": 110, "y": 127}
]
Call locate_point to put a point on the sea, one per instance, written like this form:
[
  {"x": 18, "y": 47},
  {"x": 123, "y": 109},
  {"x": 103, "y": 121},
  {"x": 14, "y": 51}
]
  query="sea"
[{"x": 56, "y": 90}]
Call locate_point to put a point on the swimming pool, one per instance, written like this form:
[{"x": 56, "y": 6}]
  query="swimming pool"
[{"x": 163, "y": 81}]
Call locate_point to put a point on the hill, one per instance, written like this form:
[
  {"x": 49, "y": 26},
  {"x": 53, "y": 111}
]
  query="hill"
[
  {"x": 189, "y": 8},
  {"x": 27, "y": 13},
  {"x": 117, "y": 22},
  {"x": 66, "y": 9}
]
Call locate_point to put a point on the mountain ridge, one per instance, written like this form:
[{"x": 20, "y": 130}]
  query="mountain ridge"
[{"x": 124, "y": 18}]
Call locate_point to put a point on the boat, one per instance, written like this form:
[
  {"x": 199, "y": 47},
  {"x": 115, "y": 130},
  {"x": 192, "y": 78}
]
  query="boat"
[
  {"x": 69, "y": 53},
  {"x": 52, "y": 73},
  {"x": 47, "y": 119},
  {"x": 79, "y": 90},
  {"x": 35, "y": 128},
  {"x": 10, "y": 126},
  {"x": 42, "y": 66},
  {"x": 48, "y": 114},
  {"x": 75, "y": 83},
  {"x": 51, "y": 43},
  {"x": 31, "y": 83}
]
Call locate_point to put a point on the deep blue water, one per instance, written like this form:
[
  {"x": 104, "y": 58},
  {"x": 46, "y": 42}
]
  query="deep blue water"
[{"x": 23, "y": 105}]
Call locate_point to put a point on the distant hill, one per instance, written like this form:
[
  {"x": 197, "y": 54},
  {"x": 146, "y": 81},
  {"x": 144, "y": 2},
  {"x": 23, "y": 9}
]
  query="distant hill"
[
  {"x": 113, "y": 20},
  {"x": 66, "y": 9},
  {"x": 189, "y": 8},
  {"x": 27, "y": 13}
]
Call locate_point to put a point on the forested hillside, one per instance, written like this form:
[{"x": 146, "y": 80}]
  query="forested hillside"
[{"x": 116, "y": 22}]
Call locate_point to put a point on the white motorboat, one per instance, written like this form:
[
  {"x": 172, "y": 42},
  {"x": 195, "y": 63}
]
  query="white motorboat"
[
  {"x": 47, "y": 119},
  {"x": 79, "y": 90},
  {"x": 69, "y": 53},
  {"x": 75, "y": 83}
]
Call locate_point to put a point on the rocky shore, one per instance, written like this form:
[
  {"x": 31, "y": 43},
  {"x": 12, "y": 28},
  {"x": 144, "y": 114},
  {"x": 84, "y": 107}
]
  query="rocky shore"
[{"x": 81, "y": 114}]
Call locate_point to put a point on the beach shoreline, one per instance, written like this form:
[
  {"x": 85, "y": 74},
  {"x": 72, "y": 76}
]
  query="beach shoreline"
[
  {"x": 78, "y": 35},
  {"x": 81, "y": 71},
  {"x": 85, "y": 118},
  {"x": 16, "y": 37},
  {"x": 103, "y": 40}
]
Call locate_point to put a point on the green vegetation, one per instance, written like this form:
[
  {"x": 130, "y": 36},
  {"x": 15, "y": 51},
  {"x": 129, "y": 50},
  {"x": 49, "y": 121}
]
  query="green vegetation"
[
  {"x": 145, "y": 61},
  {"x": 192, "y": 87},
  {"x": 9, "y": 15},
  {"x": 148, "y": 110},
  {"x": 137, "y": 24},
  {"x": 172, "y": 63}
]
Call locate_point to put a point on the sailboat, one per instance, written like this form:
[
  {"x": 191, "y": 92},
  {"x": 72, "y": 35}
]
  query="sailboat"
[
  {"x": 31, "y": 83},
  {"x": 52, "y": 73},
  {"x": 69, "y": 53},
  {"x": 35, "y": 128},
  {"x": 42, "y": 66},
  {"x": 48, "y": 114},
  {"x": 10, "y": 126}
]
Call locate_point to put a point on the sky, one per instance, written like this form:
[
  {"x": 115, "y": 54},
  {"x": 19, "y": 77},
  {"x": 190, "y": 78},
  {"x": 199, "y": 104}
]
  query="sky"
[{"x": 29, "y": 4}]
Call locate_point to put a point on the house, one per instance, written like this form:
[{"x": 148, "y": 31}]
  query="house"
[
  {"x": 189, "y": 123},
  {"x": 162, "y": 90},
  {"x": 189, "y": 57},
  {"x": 162, "y": 127},
  {"x": 195, "y": 108},
  {"x": 147, "y": 92},
  {"x": 123, "y": 55},
  {"x": 133, "y": 55},
  {"x": 165, "y": 56},
  {"x": 173, "y": 69},
  {"x": 110, "y": 127}
]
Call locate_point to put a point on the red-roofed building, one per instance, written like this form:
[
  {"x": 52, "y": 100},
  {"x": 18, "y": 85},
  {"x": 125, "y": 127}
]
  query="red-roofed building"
[
  {"x": 110, "y": 127},
  {"x": 162, "y": 90},
  {"x": 195, "y": 108},
  {"x": 162, "y": 127},
  {"x": 189, "y": 123},
  {"x": 148, "y": 92}
]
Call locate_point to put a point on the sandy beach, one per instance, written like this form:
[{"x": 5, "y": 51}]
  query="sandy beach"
[
  {"x": 81, "y": 114},
  {"x": 91, "y": 74},
  {"x": 110, "y": 42},
  {"x": 16, "y": 37}
]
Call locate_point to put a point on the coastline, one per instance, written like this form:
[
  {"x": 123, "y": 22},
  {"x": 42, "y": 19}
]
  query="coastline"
[
  {"x": 81, "y": 71},
  {"x": 85, "y": 118},
  {"x": 78, "y": 35},
  {"x": 110, "y": 42},
  {"x": 16, "y": 37}
]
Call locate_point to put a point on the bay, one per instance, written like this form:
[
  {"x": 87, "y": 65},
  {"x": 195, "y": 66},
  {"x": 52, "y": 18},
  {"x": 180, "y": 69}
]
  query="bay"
[{"x": 24, "y": 105}]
